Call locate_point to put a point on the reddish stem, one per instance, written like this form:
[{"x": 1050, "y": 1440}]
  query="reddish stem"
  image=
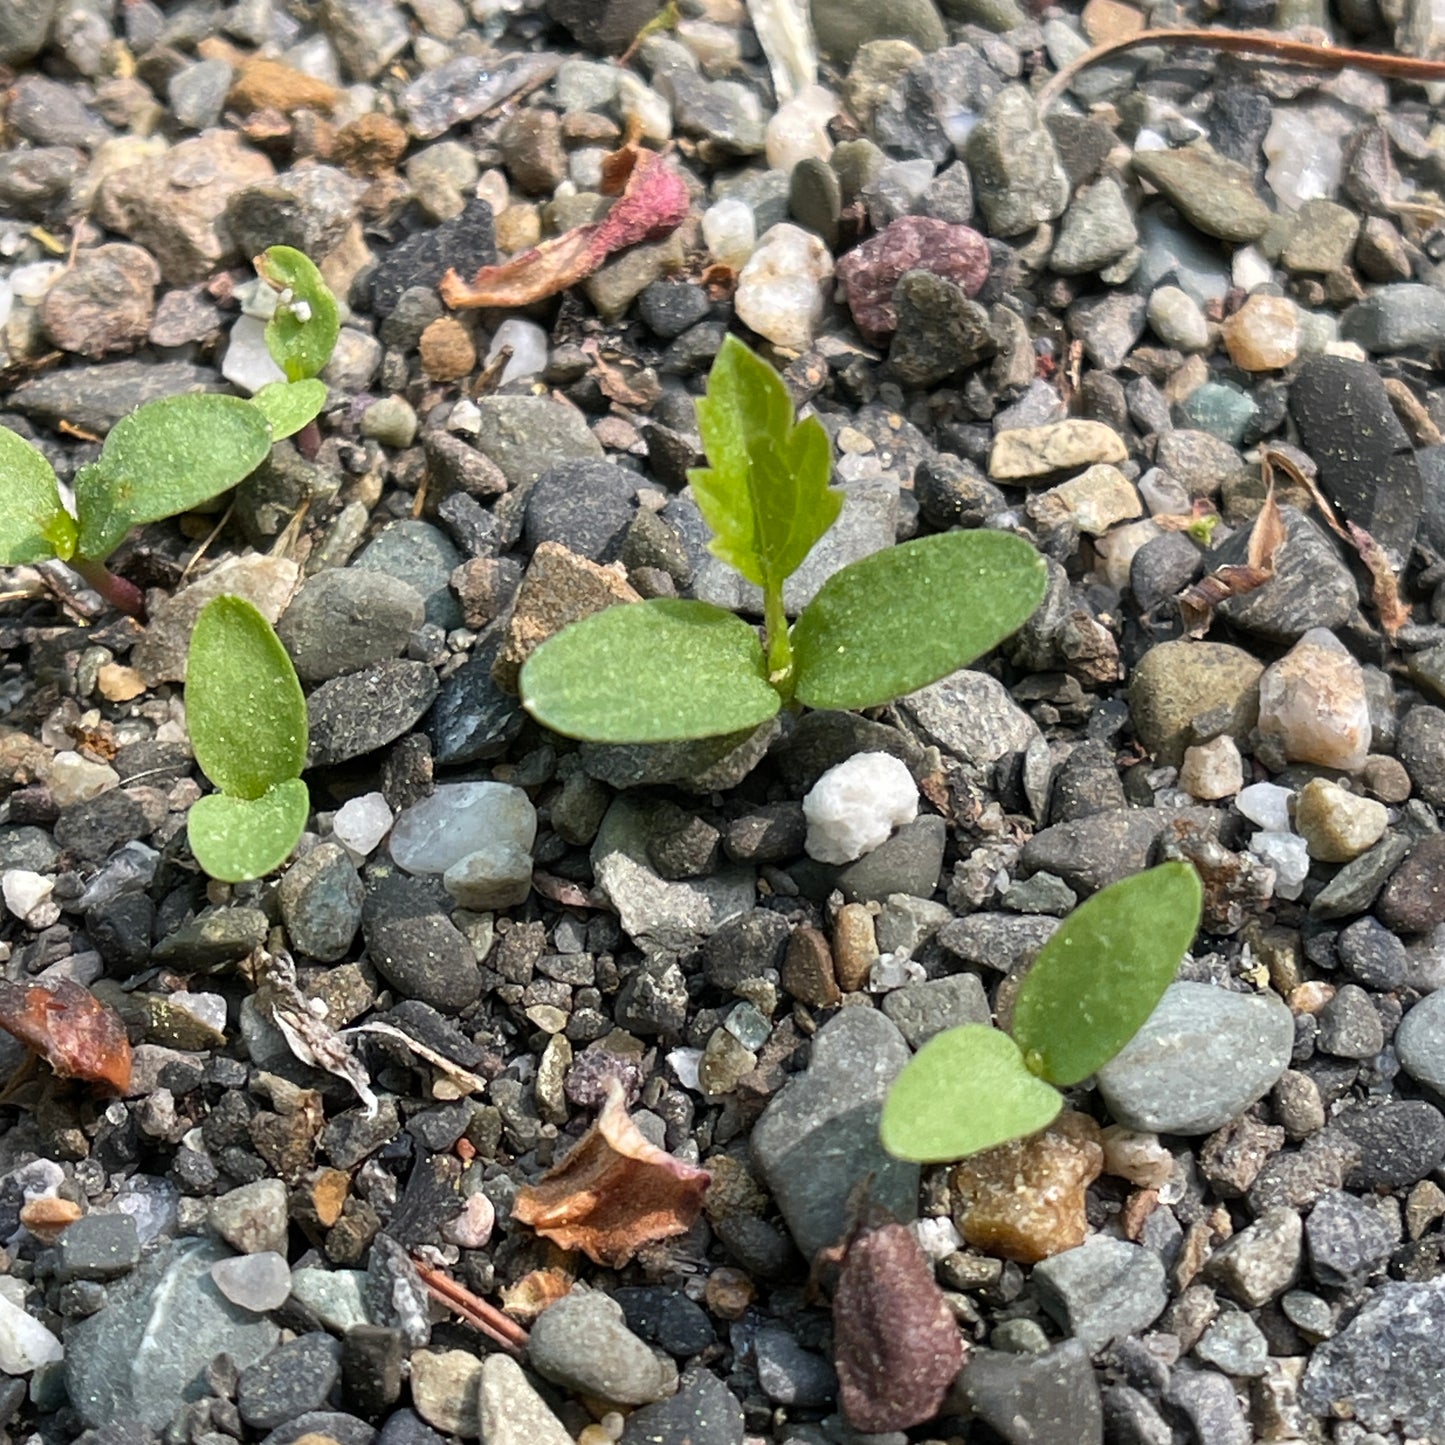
[{"x": 124, "y": 596}]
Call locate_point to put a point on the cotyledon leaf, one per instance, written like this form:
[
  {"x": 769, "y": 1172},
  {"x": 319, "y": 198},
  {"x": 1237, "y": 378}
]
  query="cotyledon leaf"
[
  {"x": 238, "y": 839},
  {"x": 34, "y": 524}
]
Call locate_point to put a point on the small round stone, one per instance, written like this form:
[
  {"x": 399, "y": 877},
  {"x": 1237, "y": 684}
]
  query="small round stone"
[
  {"x": 447, "y": 353},
  {"x": 391, "y": 421},
  {"x": 1263, "y": 335}
]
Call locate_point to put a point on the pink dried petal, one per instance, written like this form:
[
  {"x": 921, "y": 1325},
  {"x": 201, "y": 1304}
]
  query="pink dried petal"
[{"x": 912, "y": 243}]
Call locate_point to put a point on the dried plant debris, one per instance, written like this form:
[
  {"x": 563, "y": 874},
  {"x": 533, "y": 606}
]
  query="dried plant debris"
[
  {"x": 614, "y": 1192},
  {"x": 1198, "y": 601},
  {"x": 76, "y": 1034},
  {"x": 896, "y": 1345},
  {"x": 653, "y": 203}
]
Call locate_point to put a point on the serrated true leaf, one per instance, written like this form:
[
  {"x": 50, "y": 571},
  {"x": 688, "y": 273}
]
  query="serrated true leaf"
[
  {"x": 966, "y": 1089},
  {"x": 290, "y": 405},
  {"x": 907, "y": 616},
  {"x": 244, "y": 706},
  {"x": 765, "y": 491},
  {"x": 238, "y": 839},
  {"x": 1099, "y": 977},
  {"x": 650, "y": 672},
  {"x": 163, "y": 459},
  {"x": 34, "y": 524},
  {"x": 302, "y": 332}
]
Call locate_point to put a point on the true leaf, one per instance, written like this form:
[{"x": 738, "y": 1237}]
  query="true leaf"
[
  {"x": 290, "y": 405},
  {"x": 907, "y": 616},
  {"x": 765, "y": 493},
  {"x": 966, "y": 1089},
  {"x": 244, "y": 705},
  {"x": 302, "y": 331},
  {"x": 237, "y": 839},
  {"x": 164, "y": 458},
  {"x": 1107, "y": 965},
  {"x": 34, "y": 524},
  {"x": 650, "y": 672}
]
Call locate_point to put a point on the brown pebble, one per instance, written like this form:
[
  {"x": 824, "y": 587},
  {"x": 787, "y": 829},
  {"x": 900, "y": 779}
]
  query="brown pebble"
[
  {"x": 729, "y": 1292},
  {"x": 447, "y": 353},
  {"x": 47, "y": 1218},
  {"x": 807, "y": 971},
  {"x": 370, "y": 145},
  {"x": 1025, "y": 1200},
  {"x": 119, "y": 684},
  {"x": 1386, "y": 778},
  {"x": 269, "y": 85},
  {"x": 105, "y": 302},
  {"x": 855, "y": 947},
  {"x": 1414, "y": 898}
]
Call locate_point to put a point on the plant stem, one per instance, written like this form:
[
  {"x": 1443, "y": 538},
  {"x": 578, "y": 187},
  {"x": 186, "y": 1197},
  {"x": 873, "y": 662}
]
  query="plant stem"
[
  {"x": 780, "y": 647},
  {"x": 122, "y": 595}
]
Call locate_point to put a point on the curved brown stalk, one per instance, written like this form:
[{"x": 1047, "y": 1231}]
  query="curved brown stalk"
[{"x": 1248, "y": 42}]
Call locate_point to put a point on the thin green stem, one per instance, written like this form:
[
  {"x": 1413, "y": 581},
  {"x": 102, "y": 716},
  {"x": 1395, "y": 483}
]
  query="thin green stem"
[{"x": 780, "y": 646}]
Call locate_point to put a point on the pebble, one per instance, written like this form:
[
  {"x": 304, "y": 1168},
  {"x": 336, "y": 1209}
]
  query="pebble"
[
  {"x": 1097, "y": 228},
  {"x": 161, "y": 1327},
  {"x": 1212, "y": 193},
  {"x": 704, "y": 1412},
  {"x": 856, "y": 805},
  {"x": 842, "y": 27},
  {"x": 459, "y": 819},
  {"x": 584, "y": 506},
  {"x": 1102, "y": 1290},
  {"x": 1202, "y": 1057},
  {"x": 1046, "y": 1398},
  {"x": 870, "y": 273},
  {"x": 392, "y": 421},
  {"x": 320, "y": 899},
  {"x": 417, "y": 948},
  {"x": 838, "y": 1100},
  {"x": 356, "y": 714},
  {"x": 1261, "y": 1261},
  {"x": 525, "y": 435},
  {"x": 1421, "y": 747},
  {"x": 1234, "y": 1345},
  {"x": 1024, "y": 453},
  {"x": 582, "y": 1343},
  {"x": 104, "y": 303},
  {"x": 345, "y": 618},
  {"x": 293, "y": 1379},
  {"x": 1176, "y": 682},
  {"x": 360, "y": 823},
  {"x": 444, "y": 1389},
  {"x": 1264, "y": 334},
  {"x": 1212, "y": 771},
  {"x": 1396, "y": 318},
  {"x": 782, "y": 290},
  {"x": 423, "y": 557},
  {"x": 1177, "y": 319},
  {"x": 1016, "y": 171},
  {"x": 1313, "y": 705},
  {"x": 1337, "y": 825},
  {"x": 1025, "y": 1200},
  {"x": 254, "y": 1282},
  {"x": 252, "y": 1217},
  {"x": 1349, "y": 1026},
  {"x": 1384, "y": 1362},
  {"x": 1399, "y": 1142},
  {"x": 510, "y": 1411},
  {"x": 1347, "y": 1239}
]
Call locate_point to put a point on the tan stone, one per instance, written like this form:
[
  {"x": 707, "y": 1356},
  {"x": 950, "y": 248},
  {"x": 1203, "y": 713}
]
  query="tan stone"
[
  {"x": 1337, "y": 825},
  {"x": 118, "y": 683},
  {"x": 559, "y": 588},
  {"x": 1096, "y": 499},
  {"x": 1107, "y": 20},
  {"x": 265, "y": 84},
  {"x": 807, "y": 971},
  {"x": 1025, "y": 1200},
  {"x": 447, "y": 352},
  {"x": 1263, "y": 335},
  {"x": 1038, "y": 451},
  {"x": 1212, "y": 770},
  {"x": 855, "y": 947},
  {"x": 1312, "y": 704},
  {"x": 444, "y": 1390}
]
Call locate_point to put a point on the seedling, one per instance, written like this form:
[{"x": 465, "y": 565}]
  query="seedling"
[
  {"x": 667, "y": 670},
  {"x": 247, "y": 720},
  {"x": 1090, "y": 990},
  {"x": 172, "y": 454}
]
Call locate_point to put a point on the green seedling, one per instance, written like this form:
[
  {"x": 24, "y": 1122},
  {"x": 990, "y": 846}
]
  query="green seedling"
[
  {"x": 172, "y": 454},
  {"x": 663, "y": 671},
  {"x": 247, "y": 719},
  {"x": 1089, "y": 991}
]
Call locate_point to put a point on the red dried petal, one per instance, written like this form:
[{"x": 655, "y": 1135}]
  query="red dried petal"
[
  {"x": 870, "y": 272},
  {"x": 614, "y": 1192},
  {"x": 654, "y": 204},
  {"x": 896, "y": 1346},
  {"x": 80, "y": 1037}
]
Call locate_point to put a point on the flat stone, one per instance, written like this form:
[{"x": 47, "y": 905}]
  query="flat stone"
[
  {"x": 96, "y": 397},
  {"x": 1396, "y": 318},
  {"x": 1102, "y": 1290},
  {"x": 703, "y": 1412},
  {"x": 819, "y": 1135},
  {"x": 510, "y": 1411},
  {"x": 465, "y": 243},
  {"x": 293, "y": 1379},
  {"x": 1413, "y": 900},
  {"x": 457, "y": 819},
  {"x": 1029, "y": 452},
  {"x": 1045, "y": 1399},
  {"x": 1092, "y": 852},
  {"x": 356, "y": 714},
  {"x": 1213, "y": 193},
  {"x": 345, "y": 618},
  {"x": 417, "y": 948},
  {"x": 1202, "y": 1057},
  {"x": 971, "y": 715},
  {"x": 147, "y": 1352},
  {"x": 1017, "y": 175},
  {"x": 582, "y": 1343}
]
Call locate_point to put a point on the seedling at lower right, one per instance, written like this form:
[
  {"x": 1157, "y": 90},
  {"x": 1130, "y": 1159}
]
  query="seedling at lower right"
[{"x": 1090, "y": 990}]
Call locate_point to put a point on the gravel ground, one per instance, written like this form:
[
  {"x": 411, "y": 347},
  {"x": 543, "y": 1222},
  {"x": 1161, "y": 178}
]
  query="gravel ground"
[{"x": 1100, "y": 319}]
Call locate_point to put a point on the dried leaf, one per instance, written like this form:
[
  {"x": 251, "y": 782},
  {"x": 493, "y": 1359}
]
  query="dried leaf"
[
  {"x": 531, "y": 1294},
  {"x": 463, "y": 1081},
  {"x": 309, "y": 1037},
  {"x": 614, "y": 1192},
  {"x": 80, "y": 1037},
  {"x": 653, "y": 204},
  {"x": 1198, "y": 601},
  {"x": 1385, "y": 589},
  {"x": 895, "y": 1343}
]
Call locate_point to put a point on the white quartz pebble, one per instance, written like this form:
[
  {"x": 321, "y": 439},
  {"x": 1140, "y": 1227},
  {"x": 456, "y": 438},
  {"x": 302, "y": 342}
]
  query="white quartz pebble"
[{"x": 856, "y": 805}]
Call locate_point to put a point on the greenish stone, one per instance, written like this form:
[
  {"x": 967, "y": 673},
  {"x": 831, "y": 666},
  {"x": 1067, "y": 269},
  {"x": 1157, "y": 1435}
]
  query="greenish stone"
[
  {"x": 1219, "y": 408},
  {"x": 1213, "y": 193},
  {"x": 843, "y": 25}
]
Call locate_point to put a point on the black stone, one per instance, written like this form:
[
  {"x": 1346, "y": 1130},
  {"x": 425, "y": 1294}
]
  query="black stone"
[
  {"x": 362, "y": 711},
  {"x": 670, "y": 307},
  {"x": 99, "y": 1246},
  {"x": 121, "y": 931},
  {"x": 1373, "y": 955},
  {"x": 586, "y": 506},
  {"x": 371, "y": 1359},
  {"x": 1399, "y": 1142},
  {"x": 1162, "y": 568},
  {"x": 292, "y": 1379},
  {"x": 416, "y": 947},
  {"x": 744, "y": 947},
  {"x": 472, "y": 717},
  {"x": 703, "y": 1412},
  {"x": 953, "y": 492},
  {"x": 466, "y": 242},
  {"x": 91, "y": 831},
  {"x": 1367, "y": 467}
]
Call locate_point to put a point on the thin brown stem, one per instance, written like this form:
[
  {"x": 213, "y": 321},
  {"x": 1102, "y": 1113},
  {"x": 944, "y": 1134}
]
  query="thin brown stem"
[
  {"x": 474, "y": 1310},
  {"x": 1248, "y": 42}
]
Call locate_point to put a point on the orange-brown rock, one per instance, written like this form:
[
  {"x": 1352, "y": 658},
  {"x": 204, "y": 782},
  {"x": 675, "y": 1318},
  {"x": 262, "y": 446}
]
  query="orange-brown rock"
[
  {"x": 370, "y": 145},
  {"x": 447, "y": 353},
  {"x": 1025, "y": 1200},
  {"x": 263, "y": 84}
]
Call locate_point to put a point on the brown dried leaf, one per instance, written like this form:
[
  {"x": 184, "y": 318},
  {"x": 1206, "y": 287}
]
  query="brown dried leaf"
[
  {"x": 614, "y": 1192},
  {"x": 1198, "y": 601},
  {"x": 896, "y": 1346},
  {"x": 653, "y": 204},
  {"x": 80, "y": 1037}
]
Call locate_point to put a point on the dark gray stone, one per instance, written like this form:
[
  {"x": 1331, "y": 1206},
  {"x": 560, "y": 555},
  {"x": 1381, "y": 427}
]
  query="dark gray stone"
[
  {"x": 1045, "y": 1399},
  {"x": 1348, "y": 1239},
  {"x": 291, "y": 1380},
  {"x": 354, "y": 715},
  {"x": 465, "y": 242},
  {"x": 99, "y": 1246},
  {"x": 1101, "y": 1290},
  {"x": 1399, "y": 1142},
  {"x": 422, "y": 556},
  {"x": 586, "y": 506},
  {"x": 94, "y": 398},
  {"x": 345, "y": 618},
  {"x": 416, "y": 947},
  {"x": 703, "y": 1412}
]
